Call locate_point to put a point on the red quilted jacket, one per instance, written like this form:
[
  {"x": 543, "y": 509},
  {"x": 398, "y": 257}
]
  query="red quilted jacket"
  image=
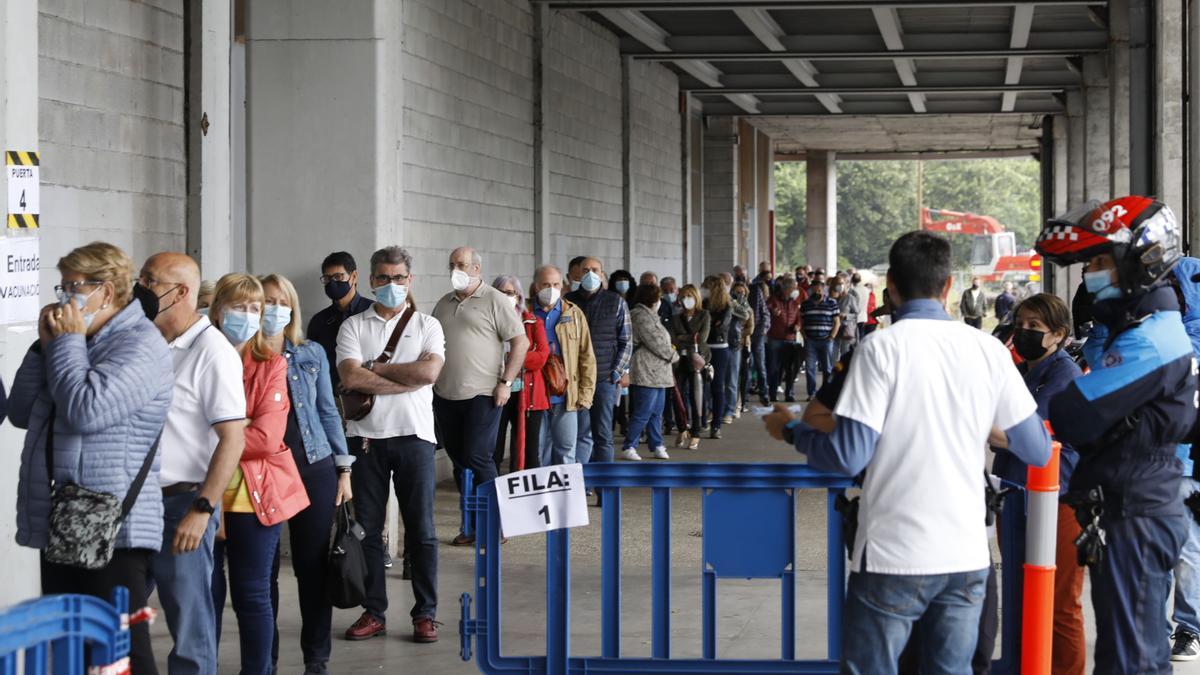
[{"x": 267, "y": 464}]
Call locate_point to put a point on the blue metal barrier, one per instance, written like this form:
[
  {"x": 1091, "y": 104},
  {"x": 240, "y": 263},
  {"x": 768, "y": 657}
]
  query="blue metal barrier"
[
  {"x": 65, "y": 627},
  {"x": 748, "y": 532}
]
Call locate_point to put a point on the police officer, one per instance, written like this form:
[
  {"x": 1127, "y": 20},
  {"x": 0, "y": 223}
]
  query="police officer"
[{"x": 1125, "y": 418}]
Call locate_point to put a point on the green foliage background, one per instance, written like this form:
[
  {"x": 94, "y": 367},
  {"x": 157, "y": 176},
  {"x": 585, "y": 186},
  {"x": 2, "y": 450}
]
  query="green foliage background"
[{"x": 877, "y": 202}]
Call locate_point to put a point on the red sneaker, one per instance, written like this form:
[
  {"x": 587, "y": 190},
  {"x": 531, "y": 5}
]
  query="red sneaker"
[
  {"x": 366, "y": 628},
  {"x": 425, "y": 629}
]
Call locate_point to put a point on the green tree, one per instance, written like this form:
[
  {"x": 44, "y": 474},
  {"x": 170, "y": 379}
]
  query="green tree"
[
  {"x": 791, "y": 209},
  {"x": 877, "y": 202}
]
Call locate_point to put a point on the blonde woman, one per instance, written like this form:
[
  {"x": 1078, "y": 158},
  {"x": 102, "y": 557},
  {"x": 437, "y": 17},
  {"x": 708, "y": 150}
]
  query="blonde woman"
[
  {"x": 266, "y": 470},
  {"x": 94, "y": 391},
  {"x": 720, "y": 311},
  {"x": 318, "y": 444}
]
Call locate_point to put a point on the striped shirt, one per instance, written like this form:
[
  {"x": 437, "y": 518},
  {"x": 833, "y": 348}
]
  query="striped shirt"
[{"x": 819, "y": 315}]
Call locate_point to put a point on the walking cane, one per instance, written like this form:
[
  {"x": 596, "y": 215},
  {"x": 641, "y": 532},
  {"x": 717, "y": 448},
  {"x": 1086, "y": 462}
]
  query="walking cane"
[{"x": 519, "y": 447}]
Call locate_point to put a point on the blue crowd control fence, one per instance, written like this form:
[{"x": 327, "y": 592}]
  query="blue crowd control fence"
[
  {"x": 748, "y": 532},
  {"x": 74, "y": 631}
]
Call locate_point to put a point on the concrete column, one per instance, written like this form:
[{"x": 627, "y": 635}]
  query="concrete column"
[
  {"x": 1168, "y": 155},
  {"x": 628, "y": 190},
  {"x": 766, "y": 202},
  {"x": 1097, "y": 144},
  {"x": 1076, "y": 140},
  {"x": 1119, "y": 87},
  {"x": 18, "y": 131},
  {"x": 721, "y": 216},
  {"x": 1061, "y": 164},
  {"x": 821, "y": 233},
  {"x": 1192, "y": 217},
  {"x": 389, "y": 124},
  {"x": 210, "y": 223},
  {"x": 541, "y": 149},
  {"x": 747, "y": 238}
]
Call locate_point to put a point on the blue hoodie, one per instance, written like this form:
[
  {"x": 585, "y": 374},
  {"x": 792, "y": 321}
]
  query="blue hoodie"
[{"x": 1184, "y": 271}]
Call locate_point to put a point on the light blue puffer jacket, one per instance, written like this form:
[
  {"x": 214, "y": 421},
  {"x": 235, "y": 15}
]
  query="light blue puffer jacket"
[{"x": 112, "y": 393}]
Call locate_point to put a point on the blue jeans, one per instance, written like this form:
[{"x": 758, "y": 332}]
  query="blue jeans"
[
  {"x": 594, "y": 441},
  {"x": 184, "y": 585},
  {"x": 645, "y": 413},
  {"x": 818, "y": 355},
  {"x": 720, "y": 364},
  {"x": 733, "y": 379},
  {"x": 407, "y": 463},
  {"x": 881, "y": 610},
  {"x": 758, "y": 362},
  {"x": 250, "y": 548},
  {"x": 1187, "y": 570},
  {"x": 560, "y": 432}
]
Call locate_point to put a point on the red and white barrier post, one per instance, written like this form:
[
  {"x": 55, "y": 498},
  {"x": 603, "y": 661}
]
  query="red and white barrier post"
[{"x": 1041, "y": 540}]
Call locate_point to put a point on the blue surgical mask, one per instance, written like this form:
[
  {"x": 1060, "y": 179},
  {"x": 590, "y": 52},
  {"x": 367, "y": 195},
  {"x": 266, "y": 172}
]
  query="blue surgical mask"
[
  {"x": 391, "y": 295},
  {"x": 239, "y": 327},
  {"x": 590, "y": 282},
  {"x": 622, "y": 286},
  {"x": 81, "y": 300},
  {"x": 275, "y": 319},
  {"x": 669, "y": 298},
  {"x": 1100, "y": 285},
  {"x": 203, "y": 311},
  {"x": 574, "y": 285}
]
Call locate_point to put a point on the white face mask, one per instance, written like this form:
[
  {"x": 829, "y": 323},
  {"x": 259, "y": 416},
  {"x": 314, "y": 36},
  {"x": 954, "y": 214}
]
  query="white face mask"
[
  {"x": 460, "y": 280},
  {"x": 689, "y": 302},
  {"x": 548, "y": 296},
  {"x": 794, "y": 294},
  {"x": 656, "y": 306},
  {"x": 520, "y": 305}
]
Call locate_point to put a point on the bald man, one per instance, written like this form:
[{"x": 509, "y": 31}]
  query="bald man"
[{"x": 201, "y": 444}]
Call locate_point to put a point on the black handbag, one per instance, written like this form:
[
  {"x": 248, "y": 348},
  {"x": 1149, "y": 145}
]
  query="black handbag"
[
  {"x": 84, "y": 523},
  {"x": 346, "y": 576}
]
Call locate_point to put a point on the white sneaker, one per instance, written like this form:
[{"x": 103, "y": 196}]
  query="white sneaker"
[
  {"x": 631, "y": 454},
  {"x": 661, "y": 453}
]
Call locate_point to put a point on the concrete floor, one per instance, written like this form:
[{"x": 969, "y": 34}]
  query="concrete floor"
[{"x": 748, "y": 611}]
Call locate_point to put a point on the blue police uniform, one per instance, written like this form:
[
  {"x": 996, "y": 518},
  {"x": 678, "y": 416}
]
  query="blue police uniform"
[{"x": 1126, "y": 418}]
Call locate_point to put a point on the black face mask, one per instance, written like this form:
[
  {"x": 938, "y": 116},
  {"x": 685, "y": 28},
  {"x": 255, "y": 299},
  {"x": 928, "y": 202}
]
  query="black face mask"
[
  {"x": 148, "y": 299},
  {"x": 336, "y": 290},
  {"x": 1028, "y": 343}
]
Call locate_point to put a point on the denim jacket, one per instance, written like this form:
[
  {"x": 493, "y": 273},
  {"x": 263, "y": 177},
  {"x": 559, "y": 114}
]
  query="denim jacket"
[{"x": 311, "y": 391}]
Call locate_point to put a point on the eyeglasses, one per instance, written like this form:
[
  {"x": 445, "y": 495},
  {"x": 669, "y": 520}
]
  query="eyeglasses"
[
  {"x": 340, "y": 276},
  {"x": 381, "y": 279},
  {"x": 464, "y": 266},
  {"x": 511, "y": 294},
  {"x": 61, "y": 291}
]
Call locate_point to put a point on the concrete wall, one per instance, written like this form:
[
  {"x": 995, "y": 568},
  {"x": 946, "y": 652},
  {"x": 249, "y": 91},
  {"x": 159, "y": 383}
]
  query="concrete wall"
[
  {"x": 720, "y": 196},
  {"x": 468, "y": 135},
  {"x": 656, "y": 128},
  {"x": 583, "y": 76},
  {"x": 111, "y": 126},
  {"x": 310, "y": 137}
]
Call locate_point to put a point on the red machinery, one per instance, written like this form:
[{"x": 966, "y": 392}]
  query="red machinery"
[{"x": 994, "y": 254}]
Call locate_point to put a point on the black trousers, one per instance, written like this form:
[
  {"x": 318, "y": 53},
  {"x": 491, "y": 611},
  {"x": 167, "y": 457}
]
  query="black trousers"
[
  {"x": 468, "y": 430},
  {"x": 533, "y": 432},
  {"x": 129, "y": 567}
]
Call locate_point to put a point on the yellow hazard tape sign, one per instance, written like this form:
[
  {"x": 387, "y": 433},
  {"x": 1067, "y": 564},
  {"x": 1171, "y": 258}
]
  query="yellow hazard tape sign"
[{"x": 21, "y": 171}]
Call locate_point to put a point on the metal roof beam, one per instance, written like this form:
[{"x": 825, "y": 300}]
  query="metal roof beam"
[
  {"x": 768, "y": 32},
  {"x": 685, "y": 5},
  {"x": 888, "y": 20},
  {"x": 1022, "y": 23},
  {"x": 863, "y": 55},
  {"x": 919, "y": 89}
]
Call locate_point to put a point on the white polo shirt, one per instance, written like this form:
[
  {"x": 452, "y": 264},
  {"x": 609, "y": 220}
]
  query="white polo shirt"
[
  {"x": 362, "y": 337},
  {"x": 932, "y": 389},
  {"x": 208, "y": 390}
]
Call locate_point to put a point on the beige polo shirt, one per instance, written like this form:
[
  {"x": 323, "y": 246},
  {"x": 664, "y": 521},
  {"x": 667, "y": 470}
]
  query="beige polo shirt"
[{"x": 476, "y": 329}]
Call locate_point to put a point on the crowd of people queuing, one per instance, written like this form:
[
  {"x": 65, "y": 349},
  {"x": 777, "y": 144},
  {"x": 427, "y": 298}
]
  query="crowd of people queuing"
[
  {"x": 233, "y": 405},
  {"x": 223, "y": 416}
]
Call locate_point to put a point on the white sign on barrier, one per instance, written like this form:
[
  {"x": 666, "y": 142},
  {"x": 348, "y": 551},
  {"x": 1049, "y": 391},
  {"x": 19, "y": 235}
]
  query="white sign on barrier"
[
  {"x": 19, "y": 290},
  {"x": 540, "y": 500}
]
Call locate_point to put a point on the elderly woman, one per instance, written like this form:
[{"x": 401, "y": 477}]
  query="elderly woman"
[
  {"x": 650, "y": 375},
  {"x": 93, "y": 392},
  {"x": 204, "y": 297},
  {"x": 318, "y": 444},
  {"x": 529, "y": 391},
  {"x": 266, "y": 470}
]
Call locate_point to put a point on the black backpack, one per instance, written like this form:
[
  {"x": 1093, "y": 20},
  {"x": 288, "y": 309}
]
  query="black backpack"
[{"x": 346, "y": 577}]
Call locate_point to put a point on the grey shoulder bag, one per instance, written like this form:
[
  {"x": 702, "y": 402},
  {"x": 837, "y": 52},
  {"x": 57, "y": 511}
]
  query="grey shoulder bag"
[{"x": 84, "y": 523}]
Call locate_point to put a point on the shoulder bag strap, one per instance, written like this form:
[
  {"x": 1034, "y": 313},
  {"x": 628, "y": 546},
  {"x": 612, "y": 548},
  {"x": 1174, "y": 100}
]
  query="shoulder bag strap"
[
  {"x": 395, "y": 338},
  {"x": 136, "y": 487},
  {"x": 50, "y": 446}
]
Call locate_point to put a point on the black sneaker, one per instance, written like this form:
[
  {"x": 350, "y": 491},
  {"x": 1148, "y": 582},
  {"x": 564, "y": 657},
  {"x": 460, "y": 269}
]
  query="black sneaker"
[{"x": 1186, "y": 647}]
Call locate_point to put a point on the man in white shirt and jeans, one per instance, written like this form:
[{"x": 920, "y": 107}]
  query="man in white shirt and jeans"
[
  {"x": 201, "y": 444},
  {"x": 919, "y": 428},
  {"x": 395, "y": 441}
]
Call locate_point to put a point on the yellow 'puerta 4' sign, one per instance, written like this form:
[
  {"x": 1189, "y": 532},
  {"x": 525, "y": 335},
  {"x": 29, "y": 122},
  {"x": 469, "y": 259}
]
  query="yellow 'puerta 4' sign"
[{"x": 24, "y": 200}]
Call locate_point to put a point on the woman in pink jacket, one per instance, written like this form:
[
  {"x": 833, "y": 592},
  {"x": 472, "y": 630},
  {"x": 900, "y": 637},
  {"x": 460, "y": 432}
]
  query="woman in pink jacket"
[{"x": 267, "y": 489}]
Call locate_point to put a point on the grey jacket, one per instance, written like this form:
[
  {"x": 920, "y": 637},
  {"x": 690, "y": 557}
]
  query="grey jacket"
[
  {"x": 111, "y": 395},
  {"x": 653, "y": 352}
]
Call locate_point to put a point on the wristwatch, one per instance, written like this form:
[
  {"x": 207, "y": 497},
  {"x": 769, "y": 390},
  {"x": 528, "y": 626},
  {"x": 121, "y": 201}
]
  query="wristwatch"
[
  {"x": 507, "y": 383},
  {"x": 203, "y": 505},
  {"x": 369, "y": 365}
]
